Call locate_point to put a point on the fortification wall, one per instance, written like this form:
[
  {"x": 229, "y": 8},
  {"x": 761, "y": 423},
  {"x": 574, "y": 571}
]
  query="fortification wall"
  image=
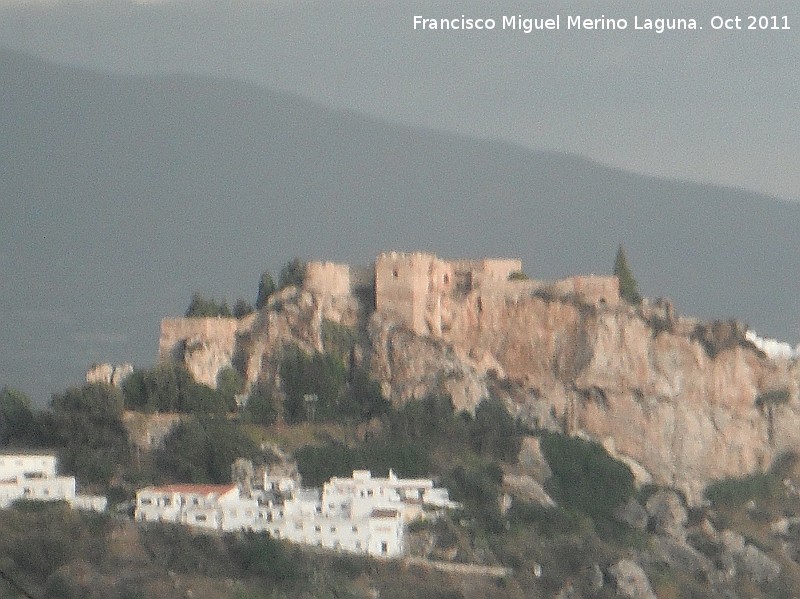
[
  {"x": 327, "y": 278},
  {"x": 401, "y": 287},
  {"x": 591, "y": 289},
  {"x": 204, "y": 345},
  {"x": 496, "y": 270},
  {"x": 423, "y": 290}
]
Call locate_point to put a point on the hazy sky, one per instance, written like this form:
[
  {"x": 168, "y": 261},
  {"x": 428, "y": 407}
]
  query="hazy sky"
[{"x": 717, "y": 106}]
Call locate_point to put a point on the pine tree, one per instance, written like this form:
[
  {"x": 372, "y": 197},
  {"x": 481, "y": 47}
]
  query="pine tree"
[{"x": 628, "y": 287}]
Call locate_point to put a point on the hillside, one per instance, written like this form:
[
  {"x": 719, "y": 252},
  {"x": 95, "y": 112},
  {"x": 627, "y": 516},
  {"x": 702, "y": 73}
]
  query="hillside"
[{"x": 120, "y": 193}]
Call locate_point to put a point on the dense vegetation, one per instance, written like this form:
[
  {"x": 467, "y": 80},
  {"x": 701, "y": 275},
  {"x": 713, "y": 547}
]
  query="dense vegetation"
[
  {"x": 585, "y": 478},
  {"x": 168, "y": 387}
]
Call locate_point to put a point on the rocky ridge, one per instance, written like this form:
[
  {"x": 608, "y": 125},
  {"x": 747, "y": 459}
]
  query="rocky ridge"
[{"x": 682, "y": 402}]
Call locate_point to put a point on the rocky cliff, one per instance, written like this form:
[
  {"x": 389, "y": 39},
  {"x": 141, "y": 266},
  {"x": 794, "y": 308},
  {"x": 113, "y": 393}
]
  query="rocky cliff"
[{"x": 681, "y": 402}]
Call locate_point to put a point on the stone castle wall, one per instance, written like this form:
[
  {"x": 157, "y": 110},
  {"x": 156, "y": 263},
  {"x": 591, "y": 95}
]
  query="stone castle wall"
[
  {"x": 327, "y": 278},
  {"x": 204, "y": 345},
  {"x": 424, "y": 291},
  {"x": 401, "y": 286},
  {"x": 590, "y": 289}
]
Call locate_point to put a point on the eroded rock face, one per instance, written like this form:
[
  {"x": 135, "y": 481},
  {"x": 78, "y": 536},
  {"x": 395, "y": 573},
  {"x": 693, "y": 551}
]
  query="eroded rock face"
[
  {"x": 630, "y": 580},
  {"x": 655, "y": 395},
  {"x": 109, "y": 374},
  {"x": 668, "y": 515},
  {"x": 740, "y": 556},
  {"x": 676, "y": 400},
  {"x": 292, "y": 317}
]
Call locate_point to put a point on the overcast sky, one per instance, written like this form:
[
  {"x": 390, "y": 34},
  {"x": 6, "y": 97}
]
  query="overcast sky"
[{"x": 705, "y": 105}]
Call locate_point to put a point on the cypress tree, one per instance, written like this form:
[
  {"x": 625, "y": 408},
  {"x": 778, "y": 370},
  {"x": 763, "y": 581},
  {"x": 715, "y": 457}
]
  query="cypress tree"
[{"x": 628, "y": 288}]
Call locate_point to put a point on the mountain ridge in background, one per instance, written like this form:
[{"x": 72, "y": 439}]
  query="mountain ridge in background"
[{"x": 123, "y": 194}]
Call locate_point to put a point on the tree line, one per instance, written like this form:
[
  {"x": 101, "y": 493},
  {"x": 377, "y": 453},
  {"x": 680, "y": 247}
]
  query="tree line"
[{"x": 292, "y": 273}]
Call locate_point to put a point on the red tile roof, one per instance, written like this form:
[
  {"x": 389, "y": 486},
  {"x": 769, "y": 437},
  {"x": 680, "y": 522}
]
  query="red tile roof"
[
  {"x": 378, "y": 513},
  {"x": 187, "y": 489}
]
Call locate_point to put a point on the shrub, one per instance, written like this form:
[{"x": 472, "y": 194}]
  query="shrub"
[
  {"x": 262, "y": 406},
  {"x": 202, "y": 450},
  {"x": 292, "y": 273},
  {"x": 493, "y": 431},
  {"x": 259, "y": 555},
  {"x": 585, "y": 477},
  {"x": 319, "y": 463},
  {"x": 734, "y": 492},
  {"x": 203, "y": 307},
  {"x": 773, "y": 397}
]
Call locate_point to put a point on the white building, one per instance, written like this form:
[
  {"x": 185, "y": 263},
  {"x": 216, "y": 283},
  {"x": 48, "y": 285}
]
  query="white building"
[
  {"x": 34, "y": 477},
  {"x": 361, "y": 514},
  {"x": 218, "y": 507}
]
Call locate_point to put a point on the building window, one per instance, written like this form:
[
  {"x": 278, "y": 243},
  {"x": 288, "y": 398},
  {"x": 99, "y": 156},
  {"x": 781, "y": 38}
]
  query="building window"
[
  {"x": 384, "y": 547},
  {"x": 317, "y": 528},
  {"x": 395, "y": 273},
  {"x": 355, "y": 529},
  {"x": 200, "y": 518}
]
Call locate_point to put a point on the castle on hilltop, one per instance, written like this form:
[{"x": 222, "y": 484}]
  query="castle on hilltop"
[
  {"x": 417, "y": 288},
  {"x": 427, "y": 295}
]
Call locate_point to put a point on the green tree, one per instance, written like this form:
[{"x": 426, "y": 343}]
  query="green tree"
[
  {"x": 493, "y": 432},
  {"x": 229, "y": 383},
  {"x": 266, "y": 287},
  {"x": 242, "y": 308},
  {"x": 585, "y": 477},
  {"x": 292, "y": 273},
  {"x": 628, "y": 288},
  {"x": 262, "y": 406},
  {"x": 322, "y": 375},
  {"x": 17, "y": 421},
  {"x": 201, "y": 450},
  {"x": 87, "y": 426},
  {"x": 96, "y": 399},
  {"x": 169, "y": 387},
  {"x": 203, "y": 307}
]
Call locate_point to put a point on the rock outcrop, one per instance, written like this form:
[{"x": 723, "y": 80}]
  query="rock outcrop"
[
  {"x": 109, "y": 374},
  {"x": 682, "y": 403},
  {"x": 630, "y": 580}
]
